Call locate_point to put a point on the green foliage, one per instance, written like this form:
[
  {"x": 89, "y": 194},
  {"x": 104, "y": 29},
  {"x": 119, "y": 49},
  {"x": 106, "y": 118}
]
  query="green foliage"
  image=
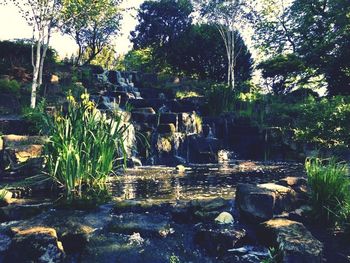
[
  {"x": 9, "y": 86},
  {"x": 39, "y": 123},
  {"x": 141, "y": 60},
  {"x": 83, "y": 146},
  {"x": 18, "y": 54},
  {"x": 3, "y": 193},
  {"x": 275, "y": 255},
  {"x": 159, "y": 22},
  {"x": 180, "y": 94},
  {"x": 330, "y": 184},
  {"x": 199, "y": 52},
  {"x": 317, "y": 32},
  {"x": 174, "y": 259},
  {"x": 92, "y": 24},
  {"x": 221, "y": 98}
]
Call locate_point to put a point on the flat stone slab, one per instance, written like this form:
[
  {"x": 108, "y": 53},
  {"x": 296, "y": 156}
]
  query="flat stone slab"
[{"x": 296, "y": 242}]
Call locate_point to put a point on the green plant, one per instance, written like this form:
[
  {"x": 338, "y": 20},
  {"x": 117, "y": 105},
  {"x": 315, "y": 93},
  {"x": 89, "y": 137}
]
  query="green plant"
[
  {"x": 9, "y": 86},
  {"x": 37, "y": 119},
  {"x": 221, "y": 98},
  {"x": 84, "y": 146},
  {"x": 275, "y": 255},
  {"x": 330, "y": 184},
  {"x": 186, "y": 94},
  {"x": 174, "y": 259}
]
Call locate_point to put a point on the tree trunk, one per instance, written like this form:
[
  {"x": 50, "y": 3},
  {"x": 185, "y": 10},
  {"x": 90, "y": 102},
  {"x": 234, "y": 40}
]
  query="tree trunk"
[{"x": 36, "y": 69}]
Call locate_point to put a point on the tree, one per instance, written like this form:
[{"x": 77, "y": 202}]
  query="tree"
[
  {"x": 274, "y": 33},
  {"x": 230, "y": 17},
  {"x": 160, "y": 23},
  {"x": 197, "y": 52},
  {"x": 42, "y": 16},
  {"x": 107, "y": 58},
  {"x": 92, "y": 24},
  {"x": 317, "y": 32}
]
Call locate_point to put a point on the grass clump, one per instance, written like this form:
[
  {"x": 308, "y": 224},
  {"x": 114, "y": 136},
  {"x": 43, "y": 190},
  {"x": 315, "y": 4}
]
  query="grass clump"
[
  {"x": 330, "y": 189},
  {"x": 84, "y": 146}
]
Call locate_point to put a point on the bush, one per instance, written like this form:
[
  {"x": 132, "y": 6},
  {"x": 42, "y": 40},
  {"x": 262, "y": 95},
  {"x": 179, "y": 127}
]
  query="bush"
[
  {"x": 329, "y": 183},
  {"x": 221, "y": 98},
  {"x": 9, "y": 86},
  {"x": 83, "y": 146}
]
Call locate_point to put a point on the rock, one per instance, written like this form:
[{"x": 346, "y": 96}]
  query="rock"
[
  {"x": 19, "y": 212},
  {"x": 217, "y": 240},
  {"x": 37, "y": 244},
  {"x": 180, "y": 168},
  {"x": 224, "y": 218},
  {"x": 150, "y": 225},
  {"x": 148, "y": 110},
  {"x": 75, "y": 237},
  {"x": 262, "y": 202},
  {"x": 292, "y": 181},
  {"x": 166, "y": 128},
  {"x": 5, "y": 242},
  {"x": 18, "y": 140},
  {"x": 296, "y": 242},
  {"x": 199, "y": 210},
  {"x": 166, "y": 118}
]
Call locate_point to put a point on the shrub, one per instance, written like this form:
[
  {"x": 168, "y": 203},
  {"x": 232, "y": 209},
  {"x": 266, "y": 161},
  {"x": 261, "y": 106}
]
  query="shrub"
[
  {"x": 84, "y": 146},
  {"x": 9, "y": 86},
  {"x": 221, "y": 98},
  {"x": 330, "y": 185}
]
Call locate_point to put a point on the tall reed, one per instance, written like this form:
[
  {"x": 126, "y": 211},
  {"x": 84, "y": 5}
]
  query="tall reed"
[
  {"x": 330, "y": 187},
  {"x": 84, "y": 146}
]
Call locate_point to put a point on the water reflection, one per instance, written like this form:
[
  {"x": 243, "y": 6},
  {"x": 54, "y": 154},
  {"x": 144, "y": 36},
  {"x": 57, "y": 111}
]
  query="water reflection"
[{"x": 201, "y": 181}]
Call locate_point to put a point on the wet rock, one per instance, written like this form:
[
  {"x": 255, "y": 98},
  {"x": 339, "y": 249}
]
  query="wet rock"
[
  {"x": 5, "y": 242},
  {"x": 263, "y": 201},
  {"x": 292, "y": 181},
  {"x": 140, "y": 206},
  {"x": 224, "y": 218},
  {"x": 166, "y": 128},
  {"x": 75, "y": 236},
  {"x": 19, "y": 212},
  {"x": 199, "y": 210},
  {"x": 166, "y": 118},
  {"x": 37, "y": 244},
  {"x": 296, "y": 242},
  {"x": 151, "y": 225},
  {"x": 148, "y": 110},
  {"x": 216, "y": 240}
]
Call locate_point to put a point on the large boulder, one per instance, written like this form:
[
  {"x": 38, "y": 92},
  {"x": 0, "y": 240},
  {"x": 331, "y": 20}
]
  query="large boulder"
[
  {"x": 37, "y": 244},
  {"x": 261, "y": 202},
  {"x": 295, "y": 241}
]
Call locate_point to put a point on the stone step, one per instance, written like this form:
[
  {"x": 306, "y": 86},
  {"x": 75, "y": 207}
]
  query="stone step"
[{"x": 14, "y": 124}]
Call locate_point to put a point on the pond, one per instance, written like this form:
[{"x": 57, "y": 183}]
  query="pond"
[{"x": 156, "y": 213}]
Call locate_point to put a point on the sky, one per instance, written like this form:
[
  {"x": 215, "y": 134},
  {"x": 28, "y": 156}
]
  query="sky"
[{"x": 14, "y": 26}]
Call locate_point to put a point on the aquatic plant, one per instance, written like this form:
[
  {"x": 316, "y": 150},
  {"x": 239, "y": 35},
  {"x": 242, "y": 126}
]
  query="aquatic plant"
[
  {"x": 84, "y": 146},
  {"x": 329, "y": 184}
]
